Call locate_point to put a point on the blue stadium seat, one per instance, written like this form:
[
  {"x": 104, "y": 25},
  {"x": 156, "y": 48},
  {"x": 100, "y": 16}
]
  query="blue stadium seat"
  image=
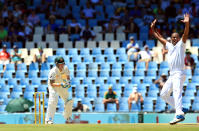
[
  {"x": 129, "y": 66},
  {"x": 111, "y": 107},
  {"x": 10, "y": 67},
  {"x": 120, "y": 51},
  {"x": 195, "y": 42},
  {"x": 99, "y": 59},
  {"x": 36, "y": 82},
  {"x": 135, "y": 107},
  {"x": 111, "y": 59},
  {"x": 188, "y": 72},
  {"x": 93, "y": 66},
  {"x": 92, "y": 73},
  {"x": 140, "y": 72},
  {"x": 149, "y": 79},
  {"x": 99, "y": 107},
  {"x": 87, "y": 81},
  {"x": 24, "y": 82},
  {"x": 72, "y": 52},
  {"x": 136, "y": 80},
  {"x": 140, "y": 65},
  {"x": 195, "y": 79},
  {"x": 75, "y": 81},
  {"x": 81, "y": 67},
  {"x": 191, "y": 86},
  {"x": 28, "y": 95},
  {"x": 32, "y": 74},
  {"x": 153, "y": 94},
  {"x": 153, "y": 65},
  {"x": 76, "y": 59},
  {"x": 88, "y": 59},
  {"x": 92, "y": 22},
  {"x": 117, "y": 66},
  {"x": 15, "y": 95},
  {"x": 45, "y": 66},
  {"x": 43, "y": 88},
  {"x": 124, "y": 80},
  {"x": 189, "y": 93},
  {"x": 186, "y": 101},
  {"x": 85, "y": 52},
  {"x": 196, "y": 72},
  {"x": 99, "y": 81},
  {"x": 30, "y": 88},
  {"x": 91, "y": 91},
  {"x": 123, "y": 108},
  {"x": 12, "y": 82},
  {"x": 51, "y": 59},
  {"x": 34, "y": 66},
  {"x": 79, "y": 91},
  {"x": 1, "y": 68},
  {"x": 44, "y": 74},
  {"x": 18, "y": 44},
  {"x": 2, "y": 108},
  {"x": 81, "y": 73},
  {"x": 104, "y": 67},
  {"x": 164, "y": 65},
  {"x": 128, "y": 73},
  {"x": 70, "y": 66},
  {"x": 61, "y": 52},
  {"x": 7, "y": 75},
  {"x": 123, "y": 58},
  {"x": 96, "y": 51},
  {"x": 152, "y": 73},
  {"x": 111, "y": 80},
  {"x": 22, "y": 67},
  {"x": 108, "y": 51},
  {"x": 160, "y": 107}
]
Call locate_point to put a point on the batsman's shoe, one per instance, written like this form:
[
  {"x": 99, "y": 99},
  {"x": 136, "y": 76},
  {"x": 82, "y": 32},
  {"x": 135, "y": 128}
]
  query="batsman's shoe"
[
  {"x": 185, "y": 110},
  {"x": 49, "y": 122},
  {"x": 177, "y": 119}
]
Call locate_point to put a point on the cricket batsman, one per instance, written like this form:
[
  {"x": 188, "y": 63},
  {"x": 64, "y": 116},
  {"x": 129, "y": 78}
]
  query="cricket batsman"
[{"x": 58, "y": 84}]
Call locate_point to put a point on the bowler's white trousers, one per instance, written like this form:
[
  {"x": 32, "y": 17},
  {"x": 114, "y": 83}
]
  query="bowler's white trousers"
[
  {"x": 54, "y": 93},
  {"x": 174, "y": 84}
]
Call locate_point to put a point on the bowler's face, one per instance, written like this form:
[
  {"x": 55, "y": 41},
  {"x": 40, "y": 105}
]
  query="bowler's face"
[{"x": 175, "y": 38}]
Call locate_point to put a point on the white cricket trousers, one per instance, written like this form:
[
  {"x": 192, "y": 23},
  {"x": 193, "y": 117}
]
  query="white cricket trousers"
[
  {"x": 174, "y": 84},
  {"x": 54, "y": 94}
]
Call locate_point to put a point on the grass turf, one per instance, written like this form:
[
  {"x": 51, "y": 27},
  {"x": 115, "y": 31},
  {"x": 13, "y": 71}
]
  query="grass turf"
[{"x": 101, "y": 127}]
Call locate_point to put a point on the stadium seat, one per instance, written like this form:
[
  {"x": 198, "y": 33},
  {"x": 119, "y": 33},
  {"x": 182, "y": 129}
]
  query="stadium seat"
[
  {"x": 104, "y": 67},
  {"x": 91, "y": 44},
  {"x": 76, "y": 59},
  {"x": 85, "y": 52},
  {"x": 88, "y": 59},
  {"x": 140, "y": 66},
  {"x": 61, "y": 52},
  {"x": 22, "y": 67},
  {"x": 111, "y": 59},
  {"x": 108, "y": 51},
  {"x": 111, "y": 107},
  {"x": 96, "y": 51},
  {"x": 99, "y": 107},
  {"x": 99, "y": 59},
  {"x": 34, "y": 67},
  {"x": 10, "y": 67},
  {"x": 135, "y": 107},
  {"x": 99, "y": 81},
  {"x": 104, "y": 74},
  {"x": 32, "y": 74},
  {"x": 81, "y": 73},
  {"x": 152, "y": 65},
  {"x": 123, "y": 59},
  {"x": 117, "y": 66},
  {"x": 92, "y": 74},
  {"x": 115, "y": 44},
  {"x": 72, "y": 52},
  {"x": 81, "y": 67},
  {"x": 7, "y": 75}
]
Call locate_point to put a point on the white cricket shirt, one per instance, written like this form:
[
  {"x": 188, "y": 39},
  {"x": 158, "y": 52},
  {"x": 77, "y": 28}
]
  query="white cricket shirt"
[
  {"x": 176, "y": 56},
  {"x": 58, "y": 76}
]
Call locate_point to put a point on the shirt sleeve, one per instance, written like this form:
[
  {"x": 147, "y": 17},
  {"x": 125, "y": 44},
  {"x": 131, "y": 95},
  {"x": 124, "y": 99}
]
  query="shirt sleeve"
[{"x": 52, "y": 75}]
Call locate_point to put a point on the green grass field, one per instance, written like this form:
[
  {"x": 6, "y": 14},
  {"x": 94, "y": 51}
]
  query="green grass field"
[{"x": 101, "y": 127}]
